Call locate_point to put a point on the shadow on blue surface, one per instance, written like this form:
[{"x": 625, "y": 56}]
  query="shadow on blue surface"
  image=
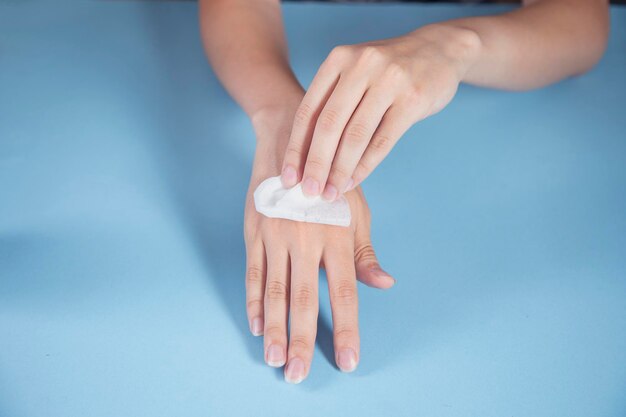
[
  {"x": 121, "y": 275},
  {"x": 207, "y": 151}
]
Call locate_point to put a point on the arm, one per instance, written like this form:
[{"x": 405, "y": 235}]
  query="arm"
[
  {"x": 538, "y": 44},
  {"x": 364, "y": 97},
  {"x": 245, "y": 43}
]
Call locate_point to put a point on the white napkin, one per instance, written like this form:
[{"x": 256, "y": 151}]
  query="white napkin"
[{"x": 272, "y": 200}]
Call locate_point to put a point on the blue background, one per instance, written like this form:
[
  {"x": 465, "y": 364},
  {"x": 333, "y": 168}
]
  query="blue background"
[{"x": 121, "y": 281}]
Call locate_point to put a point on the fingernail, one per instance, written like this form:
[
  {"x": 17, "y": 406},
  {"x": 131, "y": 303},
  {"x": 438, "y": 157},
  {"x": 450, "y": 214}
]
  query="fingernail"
[
  {"x": 275, "y": 356},
  {"x": 330, "y": 192},
  {"x": 382, "y": 274},
  {"x": 289, "y": 176},
  {"x": 346, "y": 360},
  {"x": 349, "y": 185},
  {"x": 294, "y": 374},
  {"x": 256, "y": 327},
  {"x": 311, "y": 187}
]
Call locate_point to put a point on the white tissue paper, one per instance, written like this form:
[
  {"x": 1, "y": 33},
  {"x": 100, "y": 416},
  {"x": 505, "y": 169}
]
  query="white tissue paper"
[{"x": 272, "y": 200}]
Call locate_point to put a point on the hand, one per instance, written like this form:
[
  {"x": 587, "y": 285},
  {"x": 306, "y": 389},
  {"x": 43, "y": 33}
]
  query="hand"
[
  {"x": 362, "y": 100},
  {"x": 283, "y": 261}
]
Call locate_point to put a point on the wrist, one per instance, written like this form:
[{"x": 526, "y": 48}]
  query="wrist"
[
  {"x": 272, "y": 126},
  {"x": 460, "y": 44},
  {"x": 268, "y": 159},
  {"x": 272, "y": 115}
]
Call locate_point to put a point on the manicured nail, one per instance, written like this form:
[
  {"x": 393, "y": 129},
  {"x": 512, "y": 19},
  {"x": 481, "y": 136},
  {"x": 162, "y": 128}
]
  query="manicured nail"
[
  {"x": 330, "y": 192},
  {"x": 256, "y": 327},
  {"x": 349, "y": 186},
  {"x": 311, "y": 187},
  {"x": 294, "y": 374},
  {"x": 346, "y": 360},
  {"x": 289, "y": 176},
  {"x": 275, "y": 356}
]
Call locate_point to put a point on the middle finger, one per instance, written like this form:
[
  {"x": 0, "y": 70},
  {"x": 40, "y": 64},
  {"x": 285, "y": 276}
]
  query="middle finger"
[
  {"x": 276, "y": 305},
  {"x": 304, "y": 306},
  {"x": 330, "y": 125}
]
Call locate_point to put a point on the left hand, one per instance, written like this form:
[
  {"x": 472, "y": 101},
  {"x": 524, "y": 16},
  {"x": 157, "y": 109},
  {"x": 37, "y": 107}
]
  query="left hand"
[{"x": 362, "y": 100}]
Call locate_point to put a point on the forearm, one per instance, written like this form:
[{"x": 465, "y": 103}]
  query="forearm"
[
  {"x": 538, "y": 44},
  {"x": 245, "y": 43}
]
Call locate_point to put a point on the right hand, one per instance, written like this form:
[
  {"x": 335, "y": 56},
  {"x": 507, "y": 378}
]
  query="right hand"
[{"x": 283, "y": 261}]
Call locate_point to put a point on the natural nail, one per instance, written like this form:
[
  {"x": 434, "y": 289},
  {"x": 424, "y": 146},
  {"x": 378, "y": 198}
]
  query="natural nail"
[
  {"x": 311, "y": 187},
  {"x": 256, "y": 327},
  {"x": 350, "y": 185},
  {"x": 289, "y": 176},
  {"x": 346, "y": 360},
  {"x": 382, "y": 274},
  {"x": 294, "y": 374},
  {"x": 275, "y": 356},
  {"x": 330, "y": 193}
]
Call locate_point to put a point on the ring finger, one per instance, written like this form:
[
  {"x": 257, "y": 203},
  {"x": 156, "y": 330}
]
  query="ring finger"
[
  {"x": 276, "y": 307},
  {"x": 355, "y": 139}
]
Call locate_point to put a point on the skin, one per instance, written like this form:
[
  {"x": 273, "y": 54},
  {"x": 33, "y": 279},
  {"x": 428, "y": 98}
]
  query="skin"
[
  {"x": 365, "y": 96},
  {"x": 283, "y": 261},
  {"x": 331, "y": 137}
]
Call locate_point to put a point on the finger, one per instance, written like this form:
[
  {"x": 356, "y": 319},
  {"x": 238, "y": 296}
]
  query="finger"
[
  {"x": 391, "y": 128},
  {"x": 344, "y": 302},
  {"x": 355, "y": 139},
  {"x": 255, "y": 283},
  {"x": 304, "y": 308},
  {"x": 307, "y": 113},
  {"x": 329, "y": 127},
  {"x": 276, "y": 307},
  {"x": 368, "y": 269}
]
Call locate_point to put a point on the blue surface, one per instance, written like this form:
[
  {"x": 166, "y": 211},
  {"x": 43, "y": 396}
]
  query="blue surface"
[{"x": 121, "y": 282}]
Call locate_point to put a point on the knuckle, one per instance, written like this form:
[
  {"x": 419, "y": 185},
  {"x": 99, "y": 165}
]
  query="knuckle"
[
  {"x": 339, "y": 172},
  {"x": 415, "y": 95},
  {"x": 380, "y": 142},
  {"x": 365, "y": 253},
  {"x": 276, "y": 290},
  {"x": 394, "y": 71},
  {"x": 345, "y": 291},
  {"x": 303, "y": 115},
  {"x": 364, "y": 167},
  {"x": 345, "y": 333},
  {"x": 303, "y": 297},
  {"x": 370, "y": 54},
  {"x": 254, "y": 304},
  {"x": 418, "y": 90},
  {"x": 274, "y": 331},
  {"x": 293, "y": 152},
  {"x": 255, "y": 274},
  {"x": 316, "y": 162},
  {"x": 339, "y": 52},
  {"x": 357, "y": 132},
  {"x": 300, "y": 342},
  {"x": 328, "y": 119}
]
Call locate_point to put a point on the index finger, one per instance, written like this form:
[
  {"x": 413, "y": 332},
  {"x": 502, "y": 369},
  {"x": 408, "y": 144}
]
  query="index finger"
[
  {"x": 304, "y": 124},
  {"x": 328, "y": 130}
]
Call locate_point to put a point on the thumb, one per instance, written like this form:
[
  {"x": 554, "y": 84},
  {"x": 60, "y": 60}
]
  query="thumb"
[{"x": 368, "y": 270}]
